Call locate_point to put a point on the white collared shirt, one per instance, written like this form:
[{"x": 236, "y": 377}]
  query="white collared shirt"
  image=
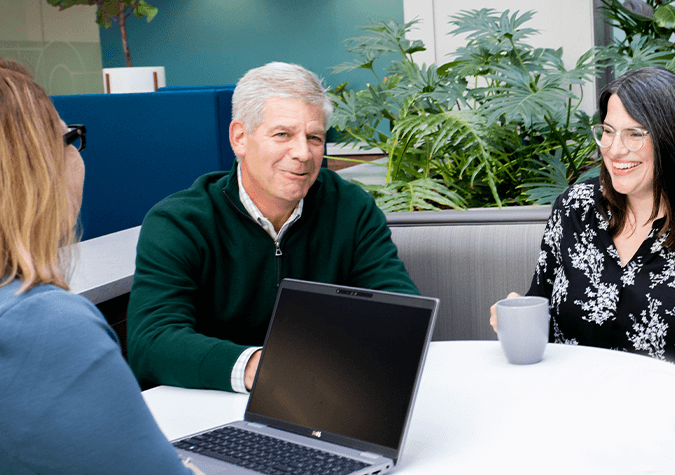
[
  {"x": 256, "y": 214},
  {"x": 239, "y": 369}
]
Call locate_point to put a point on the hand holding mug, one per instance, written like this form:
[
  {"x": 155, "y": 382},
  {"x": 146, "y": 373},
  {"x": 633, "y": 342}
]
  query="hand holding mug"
[{"x": 493, "y": 311}]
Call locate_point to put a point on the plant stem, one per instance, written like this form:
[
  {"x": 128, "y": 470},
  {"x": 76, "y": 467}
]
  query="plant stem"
[
  {"x": 123, "y": 32},
  {"x": 520, "y": 59},
  {"x": 372, "y": 70},
  {"x": 563, "y": 144}
]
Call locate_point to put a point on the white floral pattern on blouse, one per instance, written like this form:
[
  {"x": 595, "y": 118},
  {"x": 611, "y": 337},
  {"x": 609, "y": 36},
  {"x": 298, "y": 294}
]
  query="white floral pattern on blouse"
[{"x": 594, "y": 300}]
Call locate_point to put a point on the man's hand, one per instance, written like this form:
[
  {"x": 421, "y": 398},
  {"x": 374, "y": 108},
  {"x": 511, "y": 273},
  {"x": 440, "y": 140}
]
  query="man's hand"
[
  {"x": 493, "y": 311},
  {"x": 192, "y": 467},
  {"x": 251, "y": 368}
]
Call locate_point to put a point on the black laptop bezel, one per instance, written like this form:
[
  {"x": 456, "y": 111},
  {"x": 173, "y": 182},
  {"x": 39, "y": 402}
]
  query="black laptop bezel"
[{"x": 326, "y": 436}]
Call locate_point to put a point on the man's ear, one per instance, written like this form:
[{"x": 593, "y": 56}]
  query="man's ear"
[{"x": 238, "y": 138}]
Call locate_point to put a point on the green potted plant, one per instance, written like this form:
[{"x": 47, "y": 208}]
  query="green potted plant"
[
  {"x": 501, "y": 123},
  {"x": 117, "y": 11},
  {"x": 472, "y": 132},
  {"x": 647, "y": 29}
]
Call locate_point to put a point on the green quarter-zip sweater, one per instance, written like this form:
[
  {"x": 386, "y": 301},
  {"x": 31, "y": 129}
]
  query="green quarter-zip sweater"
[{"x": 207, "y": 274}]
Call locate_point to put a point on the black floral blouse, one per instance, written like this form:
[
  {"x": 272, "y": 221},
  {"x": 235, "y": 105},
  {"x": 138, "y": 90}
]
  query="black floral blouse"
[{"x": 594, "y": 300}]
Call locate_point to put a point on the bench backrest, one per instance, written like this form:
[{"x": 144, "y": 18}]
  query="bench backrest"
[{"x": 469, "y": 260}]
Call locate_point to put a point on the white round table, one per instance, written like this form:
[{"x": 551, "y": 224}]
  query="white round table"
[{"x": 580, "y": 410}]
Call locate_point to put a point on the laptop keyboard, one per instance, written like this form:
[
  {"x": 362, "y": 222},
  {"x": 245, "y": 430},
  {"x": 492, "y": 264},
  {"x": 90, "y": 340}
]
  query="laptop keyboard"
[{"x": 266, "y": 454}]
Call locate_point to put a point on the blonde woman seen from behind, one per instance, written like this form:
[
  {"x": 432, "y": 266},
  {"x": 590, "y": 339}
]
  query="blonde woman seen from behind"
[{"x": 70, "y": 403}]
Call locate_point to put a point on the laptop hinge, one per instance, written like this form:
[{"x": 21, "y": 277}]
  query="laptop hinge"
[{"x": 369, "y": 455}]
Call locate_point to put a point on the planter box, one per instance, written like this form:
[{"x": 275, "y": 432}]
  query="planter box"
[{"x": 124, "y": 80}]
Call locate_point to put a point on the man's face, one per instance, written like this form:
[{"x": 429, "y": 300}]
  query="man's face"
[{"x": 281, "y": 159}]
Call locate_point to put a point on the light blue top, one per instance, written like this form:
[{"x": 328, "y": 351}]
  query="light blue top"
[{"x": 69, "y": 403}]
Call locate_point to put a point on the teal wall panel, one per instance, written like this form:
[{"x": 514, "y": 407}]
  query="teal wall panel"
[{"x": 208, "y": 42}]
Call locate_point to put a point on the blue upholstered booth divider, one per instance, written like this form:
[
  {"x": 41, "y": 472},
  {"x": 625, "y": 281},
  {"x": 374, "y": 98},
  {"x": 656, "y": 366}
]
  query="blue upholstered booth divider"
[{"x": 143, "y": 147}]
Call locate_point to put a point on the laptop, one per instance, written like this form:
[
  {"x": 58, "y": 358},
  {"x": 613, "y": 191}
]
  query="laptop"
[{"x": 336, "y": 384}]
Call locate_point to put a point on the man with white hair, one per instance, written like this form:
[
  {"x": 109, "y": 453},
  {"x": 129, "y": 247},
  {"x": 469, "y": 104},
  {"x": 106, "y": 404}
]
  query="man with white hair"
[{"x": 210, "y": 258}]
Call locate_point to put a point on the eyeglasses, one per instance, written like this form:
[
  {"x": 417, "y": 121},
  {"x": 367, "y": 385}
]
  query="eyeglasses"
[
  {"x": 632, "y": 138},
  {"x": 76, "y": 136}
]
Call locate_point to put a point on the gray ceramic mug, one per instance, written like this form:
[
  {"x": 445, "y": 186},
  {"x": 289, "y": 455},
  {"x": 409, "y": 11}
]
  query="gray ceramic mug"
[{"x": 522, "y": 328}]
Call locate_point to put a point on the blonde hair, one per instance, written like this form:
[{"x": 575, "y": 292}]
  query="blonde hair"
[{"x": 36, "y": 216}]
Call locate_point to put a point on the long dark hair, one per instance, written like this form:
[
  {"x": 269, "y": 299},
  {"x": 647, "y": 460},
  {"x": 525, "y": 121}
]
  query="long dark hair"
[{"x": 648, "y": 95}]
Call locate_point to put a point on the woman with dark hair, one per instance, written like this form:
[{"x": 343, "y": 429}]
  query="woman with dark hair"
[
  {"x": 607, "y": 260},
  {"x": 70, "y": 404}
]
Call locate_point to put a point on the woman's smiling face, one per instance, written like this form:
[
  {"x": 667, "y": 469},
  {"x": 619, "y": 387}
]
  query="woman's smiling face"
[{"x": 632, "y": 173}]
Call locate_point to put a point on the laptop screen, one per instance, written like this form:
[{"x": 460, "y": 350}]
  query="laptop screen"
[{"x": 343, "y": 362}]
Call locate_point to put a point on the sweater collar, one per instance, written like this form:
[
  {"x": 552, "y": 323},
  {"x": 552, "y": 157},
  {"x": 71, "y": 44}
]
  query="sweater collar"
[{"x": 230, "y": 187}]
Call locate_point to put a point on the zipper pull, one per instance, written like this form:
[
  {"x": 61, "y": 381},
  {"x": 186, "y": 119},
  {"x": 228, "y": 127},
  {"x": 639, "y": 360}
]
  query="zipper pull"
[{"x": 278, "y": 249}]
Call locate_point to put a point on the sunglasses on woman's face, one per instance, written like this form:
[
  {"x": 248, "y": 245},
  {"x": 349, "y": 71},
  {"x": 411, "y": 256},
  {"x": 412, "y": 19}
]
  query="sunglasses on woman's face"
[{"x": 76, "y": 136}]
